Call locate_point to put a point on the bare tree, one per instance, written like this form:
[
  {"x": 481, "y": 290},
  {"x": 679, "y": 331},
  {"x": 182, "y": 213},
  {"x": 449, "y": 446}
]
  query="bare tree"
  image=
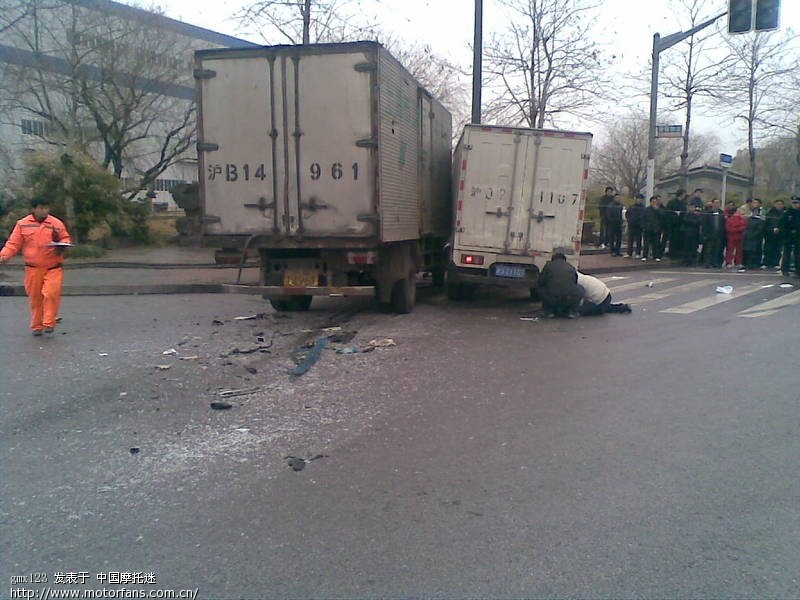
[
  {"x": 546, "y": 65},
  {"x": 304, "y": 21},
  {"x": 756, "y": 80},
  {"x": 622, "y": 160},
  {"x": 98, "y": 80},
  {"x": 693, "y": 70}
]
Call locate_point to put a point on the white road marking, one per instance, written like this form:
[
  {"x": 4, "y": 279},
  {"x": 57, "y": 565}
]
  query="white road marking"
[
  {"x": 678, "y": 289},
  {"x": 637, "y": 284},
  {"x": 771, "y": 307},
  {"x": 713, "y": 300}
]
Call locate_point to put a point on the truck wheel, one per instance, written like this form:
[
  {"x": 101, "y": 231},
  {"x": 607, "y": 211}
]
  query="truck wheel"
[
  {"x": 291, "y": 304},
  {"x": 459, "y": 291},
  {"x": 404, "y": 294},
  {"x": 437, "y": 276}
]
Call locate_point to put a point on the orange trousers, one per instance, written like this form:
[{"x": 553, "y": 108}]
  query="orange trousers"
[{"x": 43, "y": 287}]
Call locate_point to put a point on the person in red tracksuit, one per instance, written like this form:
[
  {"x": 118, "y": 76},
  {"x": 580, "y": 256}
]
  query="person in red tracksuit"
[
  {"x": 44, "y": 273},
  {"x": 735, "y": 227}
]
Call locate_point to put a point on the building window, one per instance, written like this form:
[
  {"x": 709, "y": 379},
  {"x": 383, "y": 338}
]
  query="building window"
[
  {"x": 167, "y": 185},
  {"x": 34, "y": 127}
]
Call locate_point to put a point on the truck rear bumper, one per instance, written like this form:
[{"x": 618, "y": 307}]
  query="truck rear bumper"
[
  {"x": 482, "y": 277},
  {"x": 279, "y": 291}
]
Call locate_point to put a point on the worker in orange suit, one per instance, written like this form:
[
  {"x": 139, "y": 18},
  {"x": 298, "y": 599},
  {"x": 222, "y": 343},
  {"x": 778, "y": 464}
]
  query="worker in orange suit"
[{"x": 35, "y": 236}]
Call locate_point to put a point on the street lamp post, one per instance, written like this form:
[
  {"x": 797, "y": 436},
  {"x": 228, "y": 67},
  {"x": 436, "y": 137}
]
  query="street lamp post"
[
  {"x": 477, "y": 63},
  {"x": 659, "y": 45}
]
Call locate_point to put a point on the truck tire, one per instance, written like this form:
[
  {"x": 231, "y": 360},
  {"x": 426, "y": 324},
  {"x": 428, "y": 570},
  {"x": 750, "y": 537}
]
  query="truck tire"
[
  {"x": 404, "y": 293},
  {"x": 459, "y": 291},
  {"x": 292, "y": 303}
]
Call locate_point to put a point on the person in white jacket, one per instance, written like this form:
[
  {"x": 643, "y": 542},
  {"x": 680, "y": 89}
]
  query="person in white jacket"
[{"x": 597, "y": 297}]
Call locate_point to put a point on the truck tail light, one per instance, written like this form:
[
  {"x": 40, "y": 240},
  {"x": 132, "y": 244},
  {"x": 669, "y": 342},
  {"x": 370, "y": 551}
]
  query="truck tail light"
[{"x": 471, "y": 259}]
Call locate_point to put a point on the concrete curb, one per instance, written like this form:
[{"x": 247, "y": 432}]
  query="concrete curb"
[{"x": 124, "y": 290}]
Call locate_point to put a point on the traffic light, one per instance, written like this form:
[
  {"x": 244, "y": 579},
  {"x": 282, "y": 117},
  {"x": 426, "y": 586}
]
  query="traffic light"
[
  {"x": 749, "y": 15},
  {"x": 740, "y": 16},
  {"x": 767, "y": 12}
]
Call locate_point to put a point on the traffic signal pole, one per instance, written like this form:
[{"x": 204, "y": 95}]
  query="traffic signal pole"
[{"x": 659, "y": 45}]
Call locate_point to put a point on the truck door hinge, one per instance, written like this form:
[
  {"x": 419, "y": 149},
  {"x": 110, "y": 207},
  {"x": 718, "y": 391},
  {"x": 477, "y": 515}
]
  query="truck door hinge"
[
  {"x": 204, "y": 73},
  {"x": 207, "y": 146},
  {"x": 365, "y": 67},
  {"x": 366, "y": 143},
  {"x": 586, "y": 156}
]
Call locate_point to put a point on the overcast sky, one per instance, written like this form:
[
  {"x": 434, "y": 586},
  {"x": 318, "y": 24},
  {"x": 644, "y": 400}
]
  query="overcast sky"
[{"x": 447, "y": 26}]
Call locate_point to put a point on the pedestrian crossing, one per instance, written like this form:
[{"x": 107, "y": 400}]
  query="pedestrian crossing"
[{"x": 752, "y": 296}]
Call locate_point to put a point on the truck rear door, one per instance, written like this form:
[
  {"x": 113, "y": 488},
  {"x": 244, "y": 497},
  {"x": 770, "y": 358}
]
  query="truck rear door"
[
  {"x": 492, "y": 213},
  {"x": 286, "y": 142},
  {"x": 556, "y": 168}
]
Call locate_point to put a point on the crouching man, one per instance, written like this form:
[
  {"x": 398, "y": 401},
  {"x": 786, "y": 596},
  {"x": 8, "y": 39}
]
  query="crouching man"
[
  {"x": 597, "y": 297},
  {"x": 558, "y": 288}
]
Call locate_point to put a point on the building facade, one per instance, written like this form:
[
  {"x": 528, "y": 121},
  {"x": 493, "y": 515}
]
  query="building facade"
[
  {"x": 110, "y": 79},
  {"x": 709, "y": 179}
]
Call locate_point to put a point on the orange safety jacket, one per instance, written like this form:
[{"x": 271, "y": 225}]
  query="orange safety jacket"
[{"x": 31, "y": 237}]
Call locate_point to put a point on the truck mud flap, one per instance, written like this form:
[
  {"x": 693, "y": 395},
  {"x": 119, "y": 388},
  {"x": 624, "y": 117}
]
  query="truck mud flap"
[{"x": 277, "y": 291}]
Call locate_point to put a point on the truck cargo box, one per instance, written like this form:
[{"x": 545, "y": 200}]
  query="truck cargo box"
[
  {"x": 332, "y": 161},
  {"x": 319, "y": 145}
]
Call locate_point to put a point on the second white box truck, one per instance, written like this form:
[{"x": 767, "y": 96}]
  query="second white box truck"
[{"x": 519, "y": 197}]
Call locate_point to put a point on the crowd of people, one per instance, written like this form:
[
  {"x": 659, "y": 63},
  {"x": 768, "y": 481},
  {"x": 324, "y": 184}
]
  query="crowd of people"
[{"x": 700, "y": 232}]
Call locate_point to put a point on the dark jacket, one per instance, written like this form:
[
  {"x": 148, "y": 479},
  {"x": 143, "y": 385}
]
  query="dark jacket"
[
  {"x": 603, "y": 204},
  {"x": 559, "y": 278},
  {"x": 714, "y": 225},
  {"x": 772, "y": 223},
  {"x": 692, "y": 223},
  {"x": 614, "y": 213},
  {"x": 790, "y": 225},
  {"x": 651, "y": 220},
  {"x": 754, "y": 233},
  {"x": 634, "y": 215}
]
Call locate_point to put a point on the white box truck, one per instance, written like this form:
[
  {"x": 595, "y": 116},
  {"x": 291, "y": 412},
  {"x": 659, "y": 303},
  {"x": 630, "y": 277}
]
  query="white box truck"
[
  {"x": 332, "y": 161},
  {"x": 520, "y": 196}
]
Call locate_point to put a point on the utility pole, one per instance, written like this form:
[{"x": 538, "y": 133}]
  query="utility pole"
[
  {"x": 659, "y": 45},
  {"x": 477, "y": 63}
]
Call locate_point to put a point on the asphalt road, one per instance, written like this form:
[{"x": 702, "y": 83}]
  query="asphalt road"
[{"x": 483, "y": 455}]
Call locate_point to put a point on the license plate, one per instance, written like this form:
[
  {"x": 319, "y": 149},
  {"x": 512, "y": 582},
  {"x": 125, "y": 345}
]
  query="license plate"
[
  {"x": 509, "y": 271},
  {"x": 300, "y": 278}
]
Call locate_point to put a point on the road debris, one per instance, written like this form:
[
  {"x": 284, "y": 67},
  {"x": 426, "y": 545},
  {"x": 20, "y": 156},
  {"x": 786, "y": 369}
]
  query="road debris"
[
  {"x": 348, "y": 350},
  {"x": 297, "y": 463},
  {"x": 169, "y": 352},
  {"x": 259, "y": 348},
  {"x": 650, "y": 284},
  {"x": 382, "y": 343},
  {"x": 134, "y": 450},
  {"x": 189, "y": 357},
  {"x": 163, "y": 367},
  {"x": 310, "y": 358},
  {"x": 342, "y": 337},
  {"x": 251, "y": 317},
  {"x": 217, "y": 322},
  {"x": 221, "y": 405},
  {"x": 786, "y": 285},
  {"x": 238, "y": 392},
  {"x": 724, "y": 289}
]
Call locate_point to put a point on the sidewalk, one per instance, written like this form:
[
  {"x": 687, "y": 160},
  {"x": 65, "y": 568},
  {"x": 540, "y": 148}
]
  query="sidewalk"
[{"x": 192, "y": 270}]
